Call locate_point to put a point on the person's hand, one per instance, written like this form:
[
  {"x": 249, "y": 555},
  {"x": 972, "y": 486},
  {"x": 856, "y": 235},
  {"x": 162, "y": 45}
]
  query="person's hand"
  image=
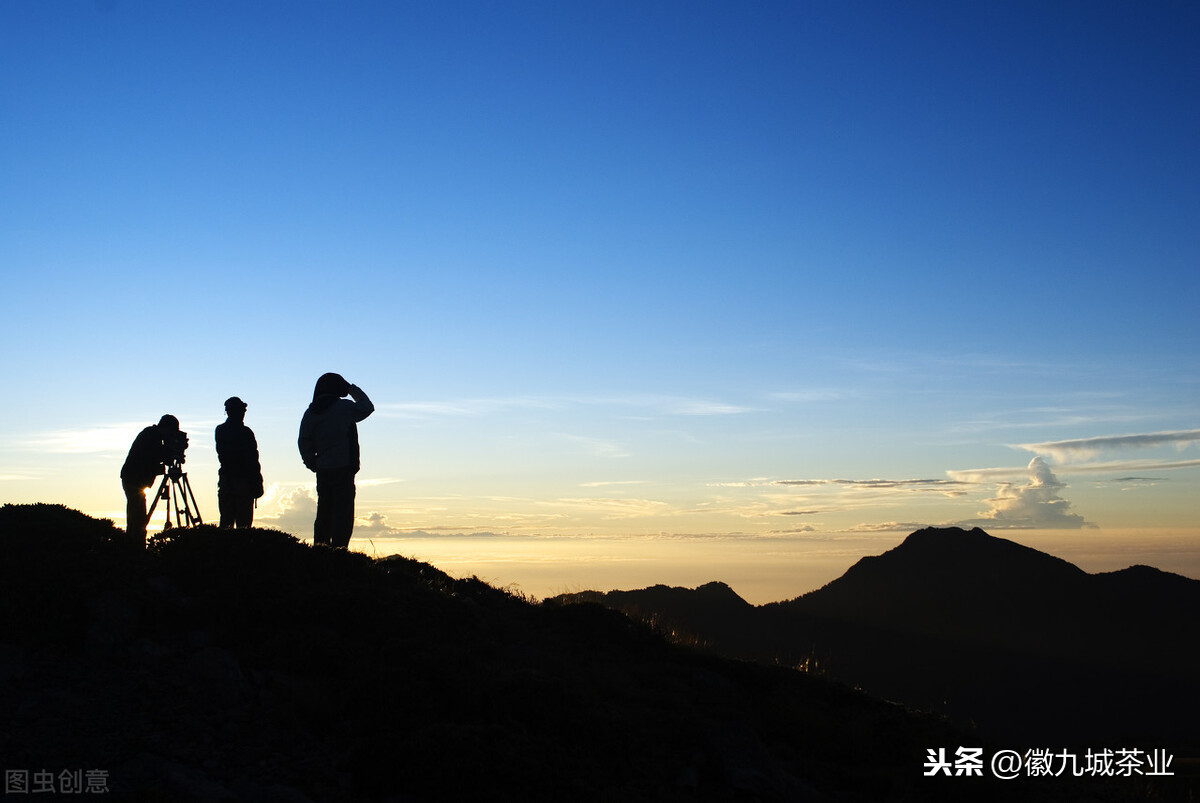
[{"x": 354, "y": 390}]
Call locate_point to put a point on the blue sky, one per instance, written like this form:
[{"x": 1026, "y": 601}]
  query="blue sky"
[{"x": 620, "y": 269}]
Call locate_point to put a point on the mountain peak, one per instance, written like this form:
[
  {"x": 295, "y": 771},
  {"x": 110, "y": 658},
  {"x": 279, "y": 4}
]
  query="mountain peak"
[
  {"x": 717, "y": 589},
  {"x": 972, "y": 554},
  {"x": 964, "y": 579},
  {"x": 934, "y": 535}
]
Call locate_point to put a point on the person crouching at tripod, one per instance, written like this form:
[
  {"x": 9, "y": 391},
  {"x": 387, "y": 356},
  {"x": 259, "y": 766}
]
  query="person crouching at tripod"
[
  {"x": 329, "y": 446},
  {"x": 143, "y": 463},
  {"x": 239, "y": 480}
]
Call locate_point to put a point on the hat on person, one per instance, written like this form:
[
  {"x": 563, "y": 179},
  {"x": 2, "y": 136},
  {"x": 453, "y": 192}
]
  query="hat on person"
[
  {"x": 332, "y": 385},
  {"x": 234, "y": 403}
]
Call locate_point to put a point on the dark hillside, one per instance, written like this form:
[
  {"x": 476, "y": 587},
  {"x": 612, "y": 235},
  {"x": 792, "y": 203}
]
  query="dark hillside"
[
  {"x": 247, "y": 666},
  {"x": 975, "y": 585},
  {"x": 976, "y": 589},
  {"x": 680, "y": 613},
  {"x": 1023, "y": 646}
]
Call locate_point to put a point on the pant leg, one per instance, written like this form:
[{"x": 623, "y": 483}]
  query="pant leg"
[
  {"x": 327, "y": 506},
  {"x": 321, "y": 525},
  {"x": 237, "y": 509},
  {"x": 135, "y": 512},
  {"x": 225, "y": 505},
  {"x": 344, "y": 519},
  {"x": 243, "y": 515},
  {"x": 335, "y": 507}
]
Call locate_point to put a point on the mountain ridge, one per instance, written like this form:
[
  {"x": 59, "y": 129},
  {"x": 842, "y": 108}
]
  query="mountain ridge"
[{"x": 1017, "y": 642}]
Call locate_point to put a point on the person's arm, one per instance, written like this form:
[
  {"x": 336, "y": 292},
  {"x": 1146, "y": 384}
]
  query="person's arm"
[
  {"x": 362, "y": 405},
  {"x": 252, "y": 450},
  {"x": 220, "y": 439},
  {"x": 256, "y": 465},
  {"x": 156, "y": 451},
  {"x": 308, "y": 450}
]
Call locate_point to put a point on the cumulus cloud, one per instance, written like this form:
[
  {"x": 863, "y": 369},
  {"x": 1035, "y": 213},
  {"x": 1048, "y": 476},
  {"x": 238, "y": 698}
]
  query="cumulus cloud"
[
  {"x": 294, "y": 510},
  {"x": 1033, "y": 504},
  {"x": 291, "y": 511},
  {"x": 373, "y": 525}
]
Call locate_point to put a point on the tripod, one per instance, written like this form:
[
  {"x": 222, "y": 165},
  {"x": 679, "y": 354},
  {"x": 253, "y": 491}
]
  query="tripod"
[{"x": 176, "y": 489}]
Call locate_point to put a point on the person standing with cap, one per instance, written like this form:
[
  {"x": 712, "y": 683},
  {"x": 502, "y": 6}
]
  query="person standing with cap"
[{"x": 239, "y": 480}]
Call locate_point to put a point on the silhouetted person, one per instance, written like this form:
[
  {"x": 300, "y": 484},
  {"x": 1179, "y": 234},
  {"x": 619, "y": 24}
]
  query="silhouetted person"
[
  {"x": 239, "y": 480},
  {"x": 329, "y": 446},
  {"x": 144, "y": 462}
]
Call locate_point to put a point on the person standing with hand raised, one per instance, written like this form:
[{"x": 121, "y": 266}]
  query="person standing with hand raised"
[{"x": 328, "y": 445}]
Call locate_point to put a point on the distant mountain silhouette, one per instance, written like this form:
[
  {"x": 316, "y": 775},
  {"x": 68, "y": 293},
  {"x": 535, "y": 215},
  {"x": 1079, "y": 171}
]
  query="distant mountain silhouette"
[{"x": 1022, "y": 645}]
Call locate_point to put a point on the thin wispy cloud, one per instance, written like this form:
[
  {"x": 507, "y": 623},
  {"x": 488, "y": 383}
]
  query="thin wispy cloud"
[
  {"x": 1128, "y": 465},
  {"x": 610, "y": 508},
  {"x": 950, "y": 486},
  {"x": 811, "y": 396},
  {"x": 368, "y": 483},
  {"x": 1088, "y": 448},
  {"x": 706, "y": 408},
  {"x": 757, "y": 482},
  {"x": 889, "y": 527},
  {"x": 1047, "y": 418},
  {"x": 1000, "y": 473},
  {"x": 110, "y": 438},
  {"x": 294, "y": 509},
  {"x": 981, "y": 476},
  {"x": 87, "y": 440},
  {"x": 637, "y": 404},
  {"x": 458, "y": 408},
  {"x": 597, "y": 447}
]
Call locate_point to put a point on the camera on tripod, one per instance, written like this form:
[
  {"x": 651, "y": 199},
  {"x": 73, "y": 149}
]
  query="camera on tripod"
[
  {"x": 176, "y": 443},
  {"x": 175, "y": 489}
]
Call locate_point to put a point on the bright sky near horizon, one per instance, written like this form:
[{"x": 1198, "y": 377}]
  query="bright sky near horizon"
[{"x": 643, "y": 291}]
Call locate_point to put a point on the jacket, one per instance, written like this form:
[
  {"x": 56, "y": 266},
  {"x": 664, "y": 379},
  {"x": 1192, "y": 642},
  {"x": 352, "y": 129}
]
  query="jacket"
[
  {"x": 329, "y": 432},
  {"x": 145, "y": 459},
  {"x": 237, "y": 451}
]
